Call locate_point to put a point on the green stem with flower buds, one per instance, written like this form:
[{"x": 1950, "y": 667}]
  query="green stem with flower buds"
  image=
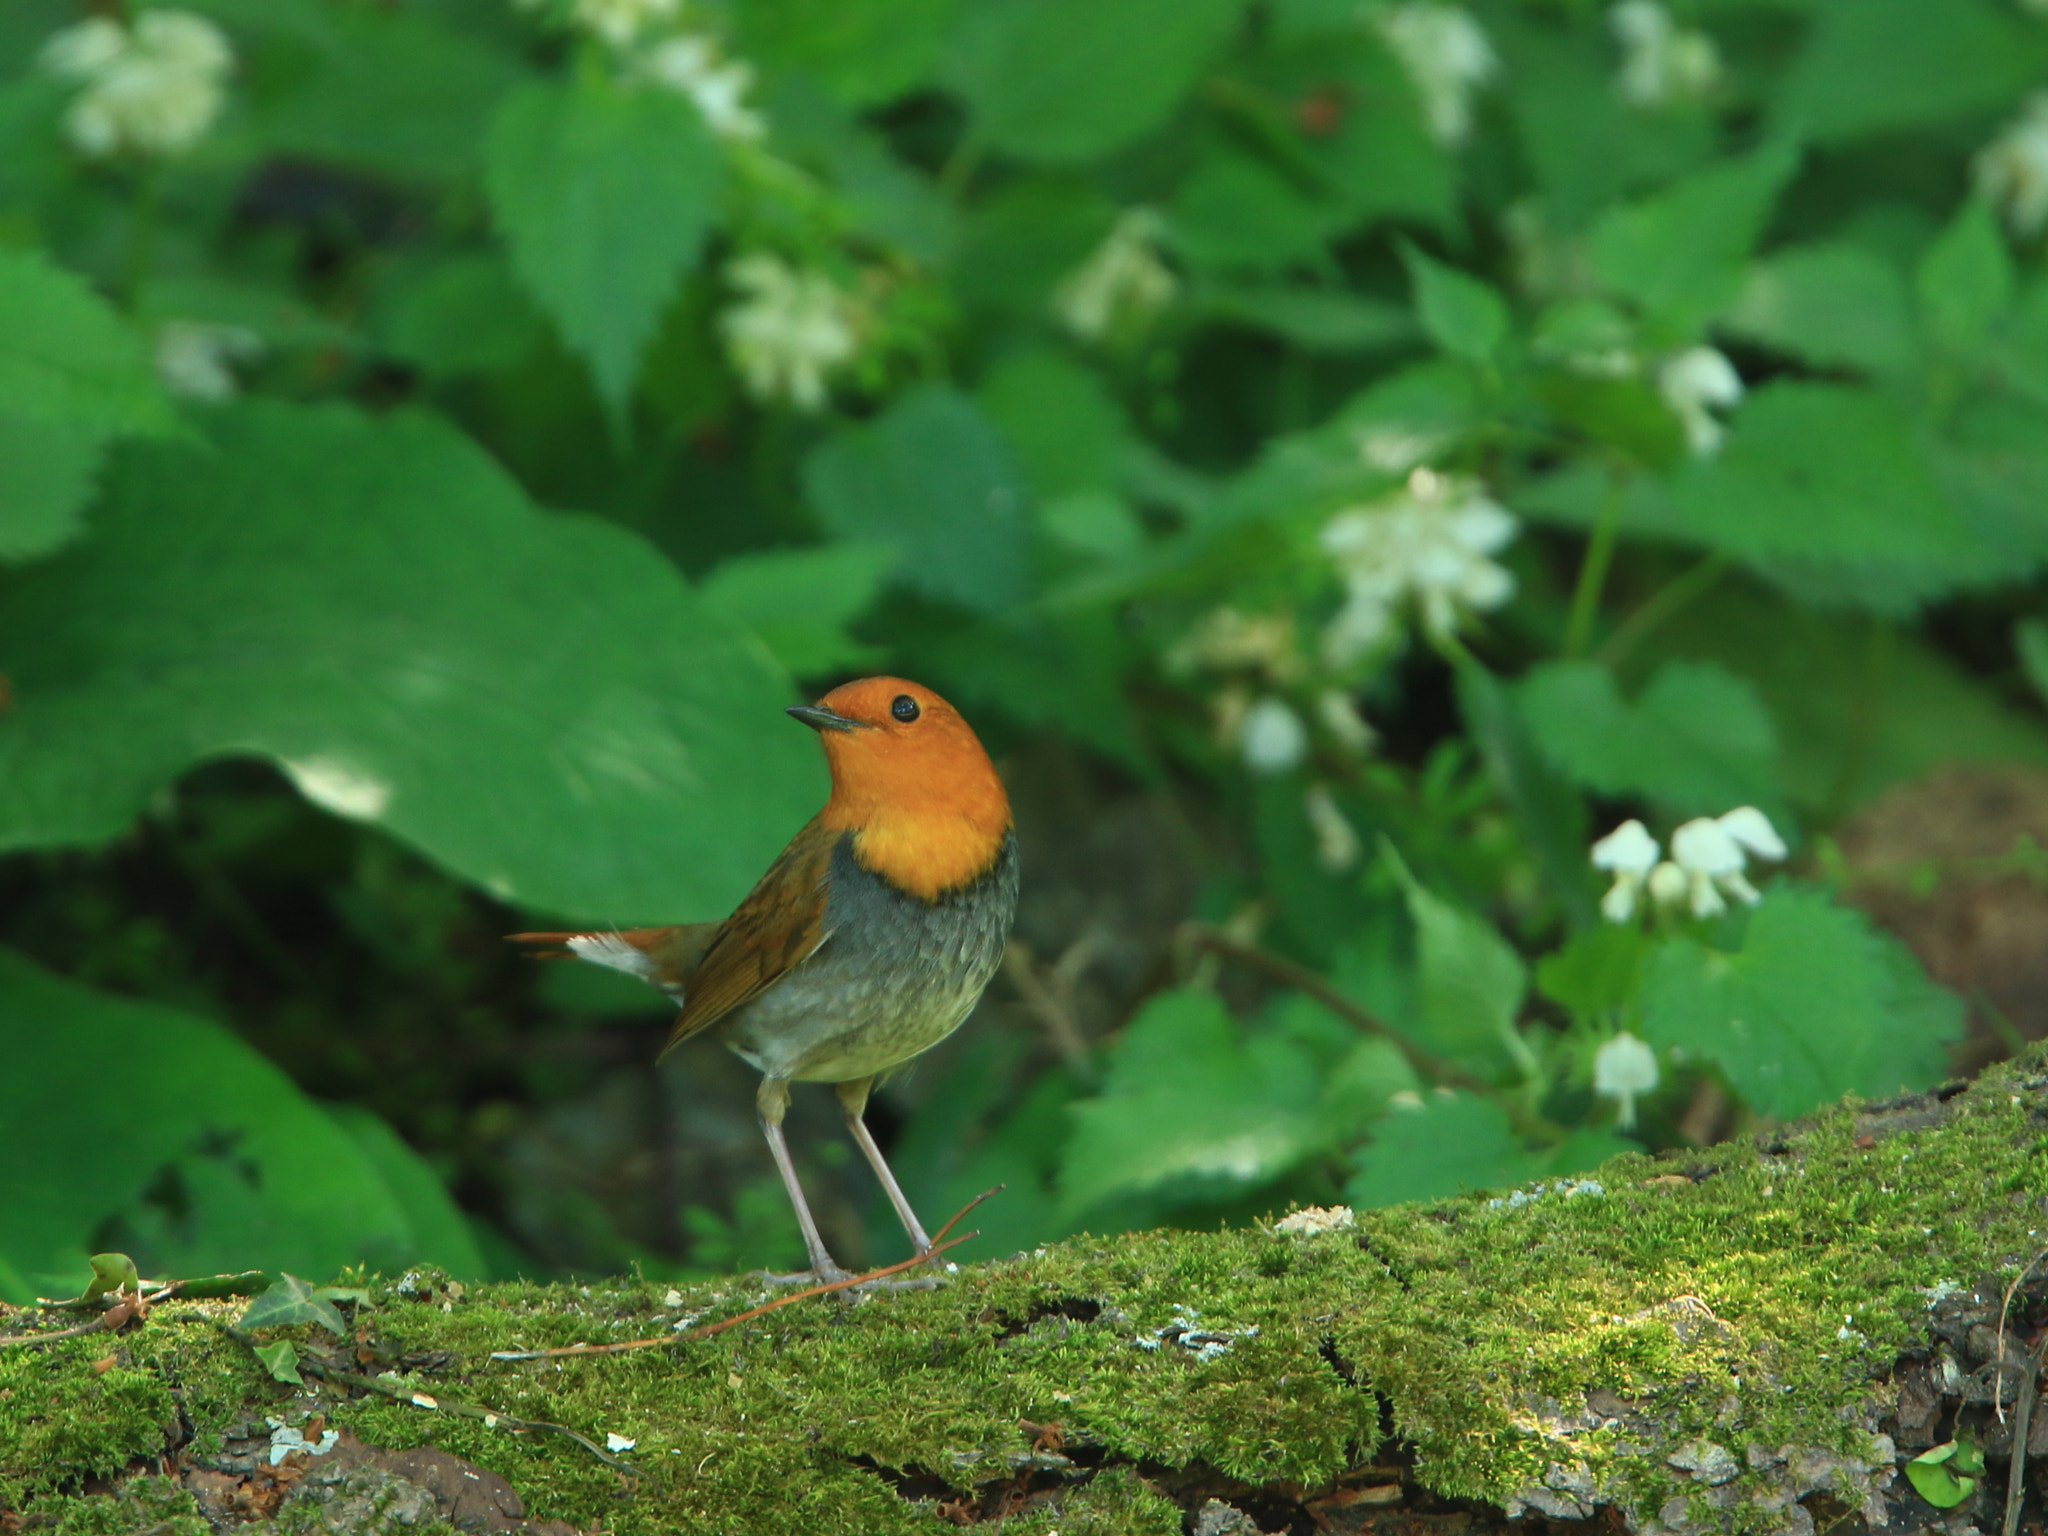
[{"x": 1578, "y": 630}]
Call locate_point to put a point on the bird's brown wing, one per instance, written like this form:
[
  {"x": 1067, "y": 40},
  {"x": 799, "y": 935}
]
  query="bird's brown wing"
[{"x": 778, "y": 927}]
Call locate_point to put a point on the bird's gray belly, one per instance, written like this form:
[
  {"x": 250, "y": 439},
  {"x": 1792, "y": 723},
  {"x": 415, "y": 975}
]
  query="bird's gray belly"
[{"x": 895, "y": 977}]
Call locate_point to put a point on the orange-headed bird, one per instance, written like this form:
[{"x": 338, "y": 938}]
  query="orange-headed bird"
[{"x": 868, "y": 940}]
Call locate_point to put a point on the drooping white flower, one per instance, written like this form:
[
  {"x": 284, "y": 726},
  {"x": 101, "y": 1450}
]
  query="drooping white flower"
[
  {"x": 2012, "y": 170},
  {"x": 153, "y": 89},
  {"x": 1122, "y": 281},
  {"x": 196, "y": 360},
  {"x": 1272, "y": 737},
  {"x": 1712, "y": 854},
  {"x": 1630, "y": 853},
  {"x": 1695, "y": 383},
  {"x": 1661, "y": 61},
  {"x": 1430, "y": 541},
  {"x": 691, "y": 66},
  {"x": 621, "y": 22},
  {"x": 792, "y": 329},
  {"x": 1623, "y": 1068},
  {"x": 1447, "y": 57},
  {"x": 1337, "y": 845}
]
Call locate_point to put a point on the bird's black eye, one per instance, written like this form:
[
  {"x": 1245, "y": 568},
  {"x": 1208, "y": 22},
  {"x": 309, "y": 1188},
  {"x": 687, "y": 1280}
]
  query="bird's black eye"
[{"x": 904, "y": 708}]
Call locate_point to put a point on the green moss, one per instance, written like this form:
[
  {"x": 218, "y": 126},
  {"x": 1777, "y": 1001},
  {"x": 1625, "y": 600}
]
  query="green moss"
[{"x": 1752, "y": 1305}]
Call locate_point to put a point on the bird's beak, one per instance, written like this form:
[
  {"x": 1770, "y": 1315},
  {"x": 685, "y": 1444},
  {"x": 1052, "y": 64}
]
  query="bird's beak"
[{"x": 819, "y": 718}]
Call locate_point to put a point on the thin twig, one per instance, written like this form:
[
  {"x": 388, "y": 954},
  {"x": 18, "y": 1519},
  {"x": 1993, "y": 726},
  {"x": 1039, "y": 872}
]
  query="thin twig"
[
  {"x": 124, "y": 1303},
  {"x": 2023, "y": 1411},
  {"x": 491, "y": 1418},
  {"x": 32, "y": 1339},
  {"x": 623, "y": 1346},
  {"x": 2004, "y": 1307},
  {"x": 1047, "y": 1002},
  {"x": 1426, "y": 1063}
]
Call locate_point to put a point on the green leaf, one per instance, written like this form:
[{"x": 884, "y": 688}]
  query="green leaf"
[
  {"x": 112, "y": 1273},
  {"x": 1331, "y": 320},
  {"x": 1879, "y": 66},
  {"x": 800, "y": 601},
  {"x": 1235, "y": 210},
  {"x": 2030, "y": 641},
  {"x": 1597, "y": 970},
  {"x": 1068, "y": 80},
  {"x": 1189, "y": 1106},
  {"x": 462, "y": 315},
  {"x": 539, "y": 703},
  {"x": 1452, "y": 1143},
  {"x": 105, "y": 1100},
  {"x": 932, "y": 480},
  {"x": 66, "y": 357},
  {"x": 862, "y": 54},
  {"x": 1966, "y": 279},
  {"x": 1679, "y": 252},
  {"x": 1831, "y": 305},
  {"x": 47, "y": 473},
  {"x": 1947, "y": 1474},
  {"x": 434, "y": 1225},
  {"x": 1472, "y": 980},
  {"x": 1549, "y": 812},
  {"x": 1698, "y": 739},
  {"x": 1816, "y": 1004},
  {"x": 1067, "y": 429},
  {"x": 282, "y": 1361},
  {"x": 1466, "y": 317},
  {"x": 289, "y": 1303},
  {"x": 604, "y": 196}
]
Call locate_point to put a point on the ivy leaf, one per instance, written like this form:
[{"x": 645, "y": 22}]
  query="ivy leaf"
[
  {"x": 932, "y": 480},
  {"x": 281, "y": 1359},
  {"x": 537, "y": 702},
  {"x": 1466, "y": 317},
  {"x": 1817, "y": 1003},
  {"x": 604, "y": 195},
  {"x": 1698, "y": 739},
  {"x": 1068, "y": 80},
  {"x": 289, "y": 1302}
]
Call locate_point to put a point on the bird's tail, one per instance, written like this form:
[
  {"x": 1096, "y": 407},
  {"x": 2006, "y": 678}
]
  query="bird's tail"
[{"x": 662, "y": 957}]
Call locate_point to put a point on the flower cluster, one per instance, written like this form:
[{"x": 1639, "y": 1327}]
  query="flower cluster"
[
  {"x": 1661, "y": 62},
  {"x": 2012, "y": 170},
  {"x": 1695, "y": 383},
  {"x": 153, "y": 89},
  {"x": 1447, "y": 58},
  {"x": 1122, "y": 282},
  {"x": 1432, "y": 541},
  {"x": 792, "y": 329},
  {"x": 691, "y": 66},
  {"x": 196, "y": 359},
  {"x": 1708, "y": 864}
]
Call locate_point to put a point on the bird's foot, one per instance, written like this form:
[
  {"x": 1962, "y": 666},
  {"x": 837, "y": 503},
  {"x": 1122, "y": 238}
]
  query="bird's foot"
[{"x": 832, "y": 1274}]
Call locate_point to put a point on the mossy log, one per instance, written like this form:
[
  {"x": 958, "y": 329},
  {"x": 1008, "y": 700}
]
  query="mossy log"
[{"x": 1747, "y": 1339}]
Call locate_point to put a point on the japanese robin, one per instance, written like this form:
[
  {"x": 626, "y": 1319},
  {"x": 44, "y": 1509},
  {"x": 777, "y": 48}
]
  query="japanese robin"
[{"x": 868, "y": 940}]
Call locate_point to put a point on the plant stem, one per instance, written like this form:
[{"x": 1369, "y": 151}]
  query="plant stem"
[
  {"x": 1578, "y": 630},
  {"x": 1662, "y": 605}
]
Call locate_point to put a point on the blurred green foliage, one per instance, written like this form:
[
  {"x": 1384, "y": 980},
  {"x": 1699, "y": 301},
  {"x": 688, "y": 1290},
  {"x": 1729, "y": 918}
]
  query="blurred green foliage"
[{"x": 1396, "y": 441}]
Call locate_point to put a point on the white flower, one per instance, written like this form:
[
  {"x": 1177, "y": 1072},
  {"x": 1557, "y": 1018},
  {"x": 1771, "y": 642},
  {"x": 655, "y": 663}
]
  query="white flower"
[
  {"x": 1447, "y": 57},
  {"x": 690, "y": 65},
  {"x": 620, "y": 22},
  {"x": 1337, "y": 846},
  {"x": 1122, "y": 279},
  {"x": 1667, "y": 884},
  {"x": 1661, "y": 61},
  {"x": 195, "y": 360},
  {"x": 1226, "y": 638},
  {"x": 792, "y": 329},
  {"x": 2012, "y": 170},
  {"x": 1694, "y": 383},
  {"x": 154, "y": 89},
  {"x": 1623, "y": 1068},
  {"x": 1711, "y": 856},
  {"x": 1310, "y": 1220},
  {"x": 1631, "y": 853},
  {"x": 1272, "y": 737},
  {"x": 1430, "y": 541}
]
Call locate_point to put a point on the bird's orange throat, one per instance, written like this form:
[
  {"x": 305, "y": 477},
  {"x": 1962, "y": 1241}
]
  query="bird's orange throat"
[
  {"x": 927, "y": 857},
  {"x": 925, "y": 827}
]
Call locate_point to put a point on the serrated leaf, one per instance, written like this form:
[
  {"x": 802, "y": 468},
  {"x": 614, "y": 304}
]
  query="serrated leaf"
[
  {"x": 1697, "y": 739},
  {"x": 47, "y": 472},
  {"x": 1067, "y": 429},
  {"x": 1830, "y": 305},
  {"x": 1068, "y": 80},
  {"x": 1466, "y": 317},
  {"x": 932, "y": 480},
  {"x": 66, "y": 357},
  {"x": 1817, "y": 1003},
  {"x": 1966, "y": 279},
  {"x": 1453, "y": 1143},
  {"x": 104, "y": 1098},
  {"x": 1679, "y": 252},
  {"x": 289, "y": 1303},
  {"x": 540, "y": 703},
  {"x": 1236, "y": 211},
  {"x": 1472, "y": 980},
  {"x": 861, "y": 54},
  {"x": 1597, "y": 970},
  {"x": 1189, "y": 1105},
  {"x": 604, "y": 195},
  {"x": 1550, "y": 813},
  {"x": 281, "y": 1359}
]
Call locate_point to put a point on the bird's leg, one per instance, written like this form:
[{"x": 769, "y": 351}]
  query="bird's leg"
[
  {"x": 773, "y": 1102},
  {"x": 853, "y": 1098}
]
